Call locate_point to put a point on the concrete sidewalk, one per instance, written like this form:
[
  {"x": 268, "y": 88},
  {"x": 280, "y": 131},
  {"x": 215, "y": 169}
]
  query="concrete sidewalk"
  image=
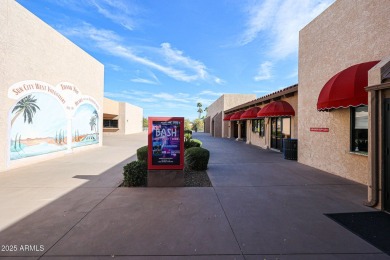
[{"x": 261, "y": 207}]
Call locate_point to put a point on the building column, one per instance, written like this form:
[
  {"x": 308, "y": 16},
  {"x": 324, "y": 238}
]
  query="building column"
[
  {"x": 239, "y": 131},
  {"x": 248, "y": 130}
]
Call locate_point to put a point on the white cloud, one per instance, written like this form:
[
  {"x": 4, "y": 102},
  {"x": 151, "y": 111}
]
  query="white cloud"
[
  {"x": 144, "y": 81},
  {"x": 210, "y": 93},
  {"x": 117, "y": 11},
  {"x": 260, "y": 16},
  {"x": 264, "y": 71},
  {"x": 174, "y": 56},
  {"x": 113, "y": 67},
  {"x": 178, "y": 66},
  {"x": 280, "y": 21},
  {"x": 219, "y": 81}
]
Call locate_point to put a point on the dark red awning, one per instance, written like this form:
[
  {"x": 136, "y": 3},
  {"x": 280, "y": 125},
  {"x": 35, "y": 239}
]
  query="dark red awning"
[
  {"x": 346, "y": 88},
  {"x": 227, "y": 117},
  {"x": 236, "y": 116},
  {"x": 250, "y": 113},
  {"x": 277, "y": 108}
]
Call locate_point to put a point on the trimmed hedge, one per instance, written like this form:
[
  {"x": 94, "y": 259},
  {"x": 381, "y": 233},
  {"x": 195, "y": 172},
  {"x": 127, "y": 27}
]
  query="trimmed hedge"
[
  {"x": 142, "y": 153},
  {"x": 191, "y": 143},
  {"x": 196, "y": 158},
  {"x": 135, "y": 174},
  {"x": 197, "y": 141}
]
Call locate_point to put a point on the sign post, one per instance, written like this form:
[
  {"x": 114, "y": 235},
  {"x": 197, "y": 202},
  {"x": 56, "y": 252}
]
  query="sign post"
[{"x": 165, "y": 151}]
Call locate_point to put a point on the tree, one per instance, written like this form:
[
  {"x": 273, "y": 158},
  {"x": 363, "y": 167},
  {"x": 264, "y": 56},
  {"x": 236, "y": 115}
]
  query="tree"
[
  {"x": 28, "y": 107},
  {"x": 144, "y": 122},
  {"x": 198, "y": 125},
  {"x": 200, "y": 110},
  {"x": 187, "y": 124}
]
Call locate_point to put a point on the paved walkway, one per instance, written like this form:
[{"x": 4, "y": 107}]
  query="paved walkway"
[{"x": 261, "y": 207}]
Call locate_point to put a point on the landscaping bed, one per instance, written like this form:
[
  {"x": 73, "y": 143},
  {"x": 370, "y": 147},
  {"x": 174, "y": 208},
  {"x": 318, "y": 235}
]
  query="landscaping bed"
[{"x": 196, "y": 179}]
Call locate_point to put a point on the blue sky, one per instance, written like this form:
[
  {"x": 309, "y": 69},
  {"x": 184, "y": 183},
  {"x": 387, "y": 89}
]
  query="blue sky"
[{"x": 167, "y": 55}]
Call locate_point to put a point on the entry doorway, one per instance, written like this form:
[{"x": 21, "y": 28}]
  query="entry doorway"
[
  {"x": 386, "y": 155},
  {"x": 234, "y": 128},
  {"x": 280, "y": 129},
  {"x": 243, "y": 130}
]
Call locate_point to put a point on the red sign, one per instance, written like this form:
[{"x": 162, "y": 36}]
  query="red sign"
[
  {"x": 319, "y": 129},
  {"x": 166, "y": 143}
]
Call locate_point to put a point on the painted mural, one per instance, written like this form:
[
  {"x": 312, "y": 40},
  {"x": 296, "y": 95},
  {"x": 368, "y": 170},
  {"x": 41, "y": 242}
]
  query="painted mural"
[
  {"x": 38, "y": 126},
  {"x": 85, "y": 126},
  {"x": 48, "y": 119}
]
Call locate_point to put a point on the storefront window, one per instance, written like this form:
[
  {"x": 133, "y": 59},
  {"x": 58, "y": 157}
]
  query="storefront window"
[
  {"x": 110, "y": 123},
  {"x": 359, "y": 129},
  {"x": 255, "y": 126},
  {"x": 262, "y": 127}
]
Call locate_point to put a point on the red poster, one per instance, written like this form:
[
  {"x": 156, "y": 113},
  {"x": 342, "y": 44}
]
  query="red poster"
[
  {"x": 166, "y": 143},
  {"x": 319, "y": 129}
]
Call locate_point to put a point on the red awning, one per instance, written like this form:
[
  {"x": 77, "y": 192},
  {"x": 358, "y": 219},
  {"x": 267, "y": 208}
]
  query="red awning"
[
  {"x": 277, "y": 108},
  {"x": 236, "y": 116},
  {"x": 250, "y": 113},
  {"x": 227, "y": 117},
  {"x": 346, "y": 88}
]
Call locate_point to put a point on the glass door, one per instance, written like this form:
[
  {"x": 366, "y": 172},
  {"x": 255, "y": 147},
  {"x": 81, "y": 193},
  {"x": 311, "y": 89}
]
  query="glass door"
[
  {"x": 276, "y": 133},
  {"x": 280, "y": 128}
]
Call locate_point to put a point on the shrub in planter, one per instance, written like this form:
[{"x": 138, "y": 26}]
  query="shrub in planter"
[
  {"x": 135, "y": 174},
  {"x": 197, "y": 141},
  {"x": 142, "y": 153},
  {"x": 196, "y": 158},
  {"x": 192, "y": 143}
]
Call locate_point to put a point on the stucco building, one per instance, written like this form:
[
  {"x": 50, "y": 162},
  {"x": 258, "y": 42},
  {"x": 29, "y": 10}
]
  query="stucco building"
[
  {"x": 51, "y": 91},
  {"x": 214, "y": 123},
  {"x": 343, "y": 101},
  {"x": 342, "y": 51},
  {"x": 267, "y": 120},
  {"x": 121, "y": 118}
]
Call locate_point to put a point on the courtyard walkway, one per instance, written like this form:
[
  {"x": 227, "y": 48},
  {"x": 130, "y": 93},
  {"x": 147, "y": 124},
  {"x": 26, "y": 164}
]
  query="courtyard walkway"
[{"x": 261, "y": 207}]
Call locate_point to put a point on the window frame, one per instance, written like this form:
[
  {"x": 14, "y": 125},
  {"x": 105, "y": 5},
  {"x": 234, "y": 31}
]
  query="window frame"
[
  {"x": 262, "y": 127},
  {"x": 352, "y": 132},
  {"x": 110, "y": 124}
]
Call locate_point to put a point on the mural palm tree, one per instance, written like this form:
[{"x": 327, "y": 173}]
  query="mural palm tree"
[
  {"x": 96, "y": 115},
  {"x": 92, "y": 122},
  {"x": 28, "y": 107}
]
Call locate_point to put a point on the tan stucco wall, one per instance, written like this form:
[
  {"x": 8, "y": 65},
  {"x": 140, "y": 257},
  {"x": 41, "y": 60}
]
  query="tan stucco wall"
[
  {"x": 264, "y": 141},
  {"x": 110, "y": 107},
  {"x": 207, "y": 125},
  {"x": 223, "y": 103},
  {"x": 347, "y": 33},
  {"x": 132, "y": 119},
  {"x": 32, "y": 50}
]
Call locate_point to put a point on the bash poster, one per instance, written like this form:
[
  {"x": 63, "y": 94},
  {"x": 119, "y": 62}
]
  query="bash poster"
[{"x": 165, "y": 146}]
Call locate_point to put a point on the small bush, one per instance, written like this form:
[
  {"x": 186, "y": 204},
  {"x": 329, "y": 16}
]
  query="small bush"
[
  {"x": 197, "y": 141},
  {"x": 196, "y": 158},
  {"x": 188, "y": 132},
  {"x": 142, "y": 154},
  {"x": 135, "y": 174},
  {"x": 191, "y": 143}
]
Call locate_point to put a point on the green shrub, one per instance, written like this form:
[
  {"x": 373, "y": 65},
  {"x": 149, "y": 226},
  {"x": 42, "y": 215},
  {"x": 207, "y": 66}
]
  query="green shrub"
[
  {"x": 197, "y": 141},
  {"x": 191, "y": 143},
  {"x": 188, "y": 132},
  {"x": 135, "y": 174},
  {"x": 142, "y": 153},
  {"x": 196, "y": 158}
]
